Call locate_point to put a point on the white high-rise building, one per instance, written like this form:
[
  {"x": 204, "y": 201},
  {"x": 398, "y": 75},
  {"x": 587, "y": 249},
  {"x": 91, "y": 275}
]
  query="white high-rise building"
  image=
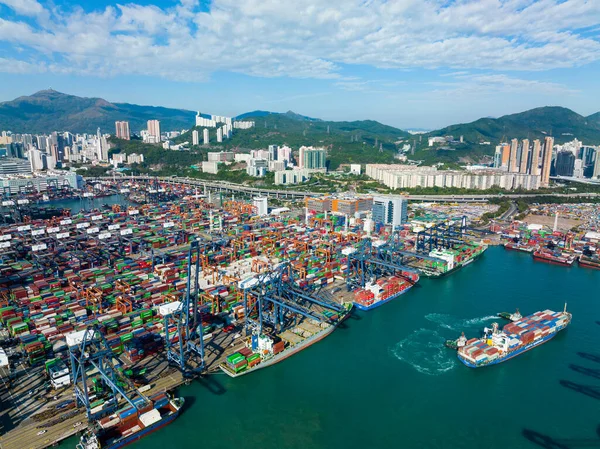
[
  {"x": 390, "y": 210},
  {"x": 219, "y": 135},
  {"x": 205, "y": 136},
  {"x": 261, "y": 205},
  {"x": 195, "y": 137},
  {"x": 35, "y": 159}
]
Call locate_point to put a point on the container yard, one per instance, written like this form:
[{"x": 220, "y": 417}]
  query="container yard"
[{"x": 178, "y": 287}]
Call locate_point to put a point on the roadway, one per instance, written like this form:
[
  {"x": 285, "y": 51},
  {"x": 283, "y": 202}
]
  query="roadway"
[{"x": 224, "y": 186}]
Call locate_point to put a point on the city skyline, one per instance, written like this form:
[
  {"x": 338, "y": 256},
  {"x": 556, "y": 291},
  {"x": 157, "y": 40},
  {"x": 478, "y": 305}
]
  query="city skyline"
[{"x": 406, "y": 64}]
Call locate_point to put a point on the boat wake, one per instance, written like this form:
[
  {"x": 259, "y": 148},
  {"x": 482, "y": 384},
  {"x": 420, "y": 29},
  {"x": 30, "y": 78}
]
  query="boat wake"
[
  {"x": 425, "y": 352},
  {"x": 457, "y": 324}
]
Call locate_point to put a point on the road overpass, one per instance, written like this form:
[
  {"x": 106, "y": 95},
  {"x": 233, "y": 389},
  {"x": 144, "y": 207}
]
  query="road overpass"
[{"x": 228, "y": 187}]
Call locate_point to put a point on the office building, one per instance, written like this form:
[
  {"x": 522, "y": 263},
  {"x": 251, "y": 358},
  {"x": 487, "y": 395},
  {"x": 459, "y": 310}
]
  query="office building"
[
  {"x": 15, "y": 149},
  {"x": 312, "y": 158},
  {"x": 122, "y": 129},
  {"x": 390, "y": 210},
  {"x": 546, "y": 161},
  {"x": 565, "y": 163},
  {"x": 273, "y": 152},
  {"x": 261, "y": 205},
  {"x": 154, "y": 131},
  {"x": 524, "y": 156},
  {"x": 195, "y": 137}
]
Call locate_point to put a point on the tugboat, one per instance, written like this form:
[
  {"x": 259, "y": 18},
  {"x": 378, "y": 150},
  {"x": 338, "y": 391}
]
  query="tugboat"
[
  {"x": 458, "y": 343},
  {"x": 510, "y": 316}
]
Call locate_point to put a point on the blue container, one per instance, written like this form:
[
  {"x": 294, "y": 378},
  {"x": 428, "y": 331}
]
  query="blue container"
[
  {"x": 254, "y": 343},
  {"x": 127, "y": 412}
]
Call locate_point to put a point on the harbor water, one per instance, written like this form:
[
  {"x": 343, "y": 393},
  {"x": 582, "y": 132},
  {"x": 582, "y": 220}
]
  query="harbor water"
[
  {"x": 384, "y": 380},
  {"x": 86, "y": 204}
]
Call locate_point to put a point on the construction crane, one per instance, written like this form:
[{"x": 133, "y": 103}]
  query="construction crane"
[{"x": 89, "y": 351}]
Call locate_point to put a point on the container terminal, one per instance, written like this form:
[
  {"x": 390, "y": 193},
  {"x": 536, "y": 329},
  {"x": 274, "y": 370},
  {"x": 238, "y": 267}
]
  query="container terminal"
[
  {"x": 564, "y": 235},
  {"x": 104, "y": 311}
]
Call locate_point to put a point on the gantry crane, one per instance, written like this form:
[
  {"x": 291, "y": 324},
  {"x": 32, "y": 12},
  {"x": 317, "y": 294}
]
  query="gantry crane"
[{"x": 89, "y": 351}]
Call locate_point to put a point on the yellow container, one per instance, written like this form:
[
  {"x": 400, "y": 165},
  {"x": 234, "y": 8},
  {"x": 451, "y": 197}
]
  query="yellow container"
[{"x": 489, "y": 342}]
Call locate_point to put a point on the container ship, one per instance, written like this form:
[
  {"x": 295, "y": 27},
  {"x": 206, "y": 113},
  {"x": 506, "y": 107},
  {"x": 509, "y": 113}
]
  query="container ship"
[
  {"x": 129, "y": 425},
  {"x": 514, "y": 339},
  {"x": 452, "y": 259},
  {"x": 589, "y": 261},
  {"x": 262, "y": 351},
  {"x": 555, "y": 257},
  {"x": 384, "y": 290}
]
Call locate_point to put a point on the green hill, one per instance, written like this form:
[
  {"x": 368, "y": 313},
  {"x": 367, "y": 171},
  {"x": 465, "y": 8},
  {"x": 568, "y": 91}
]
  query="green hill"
[
  {"x": 561, "y": 123},
  {"x": 49, "y": 110},
  {"x": 347, "y": 142}
]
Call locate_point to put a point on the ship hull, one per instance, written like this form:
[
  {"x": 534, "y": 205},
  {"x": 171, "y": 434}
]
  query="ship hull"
[
  {"x": 563, "y": 263},
  {"x": 589, "y": 264},
  {"x": 382, "y": 302},
  {"x": 523, "y": 249},
  {"x": 460, "y": 265},
  {"x": 515, "y": 353},
  {"x": 287, "y": 352},
  {"x": 142, "y": 433}
]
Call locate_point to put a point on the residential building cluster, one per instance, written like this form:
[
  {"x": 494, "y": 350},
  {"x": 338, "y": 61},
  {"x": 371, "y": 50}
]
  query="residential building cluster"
[
  {"x": 122, "y": 158},
  {"x": 411, "y": 176},
  {"x": 224, "y": 127},
  {"x": 572, "y": 159},
  {"x": 46, "y": 152},
  {"x": 527, "y": 158}
]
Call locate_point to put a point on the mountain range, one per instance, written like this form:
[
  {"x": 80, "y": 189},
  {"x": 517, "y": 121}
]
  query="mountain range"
[
  {"x": 354, "y": 141},
  {"x": 49, "y": 110}
]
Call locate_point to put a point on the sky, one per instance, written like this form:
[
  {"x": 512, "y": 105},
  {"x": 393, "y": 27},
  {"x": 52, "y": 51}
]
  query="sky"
[{"x": 406, "y": 63}]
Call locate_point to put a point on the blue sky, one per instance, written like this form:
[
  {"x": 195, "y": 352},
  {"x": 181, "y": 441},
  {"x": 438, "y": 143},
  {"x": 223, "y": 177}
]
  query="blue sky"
[{"x": 407, "y": 63}]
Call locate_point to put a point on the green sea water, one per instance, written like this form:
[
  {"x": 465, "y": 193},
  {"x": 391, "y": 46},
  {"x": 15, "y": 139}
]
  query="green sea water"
[
  {"x": 384, "y": 380},
  {"x": 78, "y": 205}
]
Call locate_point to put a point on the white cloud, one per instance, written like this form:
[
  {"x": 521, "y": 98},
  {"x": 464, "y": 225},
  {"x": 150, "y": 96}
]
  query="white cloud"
[
  {"x": 310, "y": 38},
  {"x": 24, "y": 7},
  {"x": 492, "y": 83}
]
